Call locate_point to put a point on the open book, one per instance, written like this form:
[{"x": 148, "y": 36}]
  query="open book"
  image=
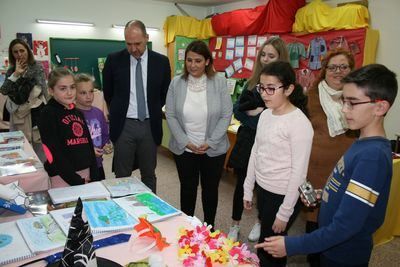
[
  {"x": 13, "y": 247},
  {"x": 107, "y": 216},
  {"x": 147, "y": 205},
  {"x": 15, "y": 162},
  {"x": 12, "y": 137},
  {"x": 72, "y": 193},
  {"x": 120, "y": 187},
  {"x": 41, "y": 233}
]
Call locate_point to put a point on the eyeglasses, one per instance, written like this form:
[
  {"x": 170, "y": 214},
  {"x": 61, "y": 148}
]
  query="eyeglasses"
[
  {"x": 350, "y": 105},
  {"x": 269, "y": 90},
  {"x": 334, "y": 68}
]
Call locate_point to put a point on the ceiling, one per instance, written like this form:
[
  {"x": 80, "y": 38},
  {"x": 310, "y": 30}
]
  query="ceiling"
[{"x": 201, "y": 2}]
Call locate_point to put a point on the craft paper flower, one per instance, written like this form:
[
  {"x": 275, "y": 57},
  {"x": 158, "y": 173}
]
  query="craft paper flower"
[
  {"x": 145, "y": 228},
  {"x": 201, "y": 247}
]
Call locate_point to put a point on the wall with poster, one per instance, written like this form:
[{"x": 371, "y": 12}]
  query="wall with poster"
[{"x": 237, "y": 55}]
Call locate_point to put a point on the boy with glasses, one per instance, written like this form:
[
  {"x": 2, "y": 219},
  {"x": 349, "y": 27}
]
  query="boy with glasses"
[{"x": 354, "y": 200}]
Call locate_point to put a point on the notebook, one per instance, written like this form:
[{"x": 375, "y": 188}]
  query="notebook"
[
  {"x": 12, "y": 137},
  {"x": 13, "y": 247},
  {"x": 107, "y": 216},
  {"x": 72, "y": 193},
  {"x": 41, "y": 233},
  {"x": 15, "y": 162},
  {"x": 148, "y": 205},
  {"x": 63, "y": 218},
  {"x": 120, "y": 187}
]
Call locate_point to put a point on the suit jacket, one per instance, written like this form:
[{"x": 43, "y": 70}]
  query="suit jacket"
[
  {"x": 219, "y": 114},
  {"x": 116, "y": 88}
]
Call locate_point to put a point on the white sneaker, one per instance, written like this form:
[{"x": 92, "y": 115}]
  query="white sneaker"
[
  {"x": 255, "y": 233},
  {"x": 234, "y": 232}
]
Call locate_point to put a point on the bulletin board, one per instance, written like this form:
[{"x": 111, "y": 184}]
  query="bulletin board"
[
  {"x": 236, "y": 55},
  {"x": 87, "y": 50}
]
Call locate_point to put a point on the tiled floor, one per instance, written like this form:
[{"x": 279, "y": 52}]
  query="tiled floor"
[{"x": 168, "y": 188}]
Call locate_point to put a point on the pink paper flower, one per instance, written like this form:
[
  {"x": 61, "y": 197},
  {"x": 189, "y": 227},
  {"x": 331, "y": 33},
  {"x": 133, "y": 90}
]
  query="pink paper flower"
[{"x": 201, "y": 247}]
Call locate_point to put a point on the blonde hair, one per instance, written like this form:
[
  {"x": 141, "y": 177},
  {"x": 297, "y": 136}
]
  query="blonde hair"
[
  {"x": 84, "y": 77},
  {"x": 279, "y": 45}
]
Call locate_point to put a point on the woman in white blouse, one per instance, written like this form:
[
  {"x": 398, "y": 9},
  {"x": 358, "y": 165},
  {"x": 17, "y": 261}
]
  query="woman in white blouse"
[{"x": 198, "y": 112}]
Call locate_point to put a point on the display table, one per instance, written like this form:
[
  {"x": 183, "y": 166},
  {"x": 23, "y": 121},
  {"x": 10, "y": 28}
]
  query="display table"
[
  {"x": 29, "y": 182},
  {"x": 391, "y": 226},
  {"x": 123, "y": 254}
]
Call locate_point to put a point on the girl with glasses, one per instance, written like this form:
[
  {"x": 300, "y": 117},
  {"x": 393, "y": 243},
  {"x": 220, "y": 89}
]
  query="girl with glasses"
[
  {"x": 247, "y": 110},
  {"x": 280, "y": 154}
]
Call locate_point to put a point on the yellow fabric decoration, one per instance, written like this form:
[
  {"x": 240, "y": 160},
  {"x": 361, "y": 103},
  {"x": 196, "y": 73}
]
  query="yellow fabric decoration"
[
  {"x": 188, "y": 27},
  {"x": 317, "y": 16},
  {"x": 371, "y": 45}
]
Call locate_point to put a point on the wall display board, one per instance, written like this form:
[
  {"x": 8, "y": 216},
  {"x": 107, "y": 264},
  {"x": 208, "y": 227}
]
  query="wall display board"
[
  {"x": 82, "y": 54},
  {"x": 236, "y": 55}
]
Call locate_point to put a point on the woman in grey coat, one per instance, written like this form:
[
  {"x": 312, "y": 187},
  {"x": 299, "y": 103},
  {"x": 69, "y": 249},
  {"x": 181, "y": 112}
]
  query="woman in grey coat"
[{"x": 199, "y": 111}]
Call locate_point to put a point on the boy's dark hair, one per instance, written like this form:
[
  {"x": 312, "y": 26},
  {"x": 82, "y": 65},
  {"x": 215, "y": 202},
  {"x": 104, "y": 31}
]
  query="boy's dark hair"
[
  {"x": 284, "y": 72},
  {"x": 377, "y": 82}
]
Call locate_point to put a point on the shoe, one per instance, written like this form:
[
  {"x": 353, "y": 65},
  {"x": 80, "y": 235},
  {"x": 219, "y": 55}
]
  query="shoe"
[
  {"x": 234, "y": 232},
  {"x": 255, "y": 233}
]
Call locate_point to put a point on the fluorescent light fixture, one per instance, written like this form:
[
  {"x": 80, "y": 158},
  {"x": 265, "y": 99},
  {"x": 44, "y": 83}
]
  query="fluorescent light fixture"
[
  {"x": 59, "y": 22},
  {"x": 150, "y": 29}
]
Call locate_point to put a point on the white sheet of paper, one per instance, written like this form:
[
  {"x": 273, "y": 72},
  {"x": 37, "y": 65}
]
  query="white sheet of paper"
[
  {"x": 239, "y": 51},
  {"x": 251, "y": 51},
  {"x": 249, "y": 64},
  {"x": 230, "y": 43},
  {"x": 252, "y": 40},
  {"x": 240, "y": 41},
  {"x": 229, "y": 71},
  {"x": 231, "y": 83},
  {"x": 237, "y": 64},
  {"x": 229, "y": 54},
  {"x": 261, "y": 40},
  {"x": 181, "y": 54}
]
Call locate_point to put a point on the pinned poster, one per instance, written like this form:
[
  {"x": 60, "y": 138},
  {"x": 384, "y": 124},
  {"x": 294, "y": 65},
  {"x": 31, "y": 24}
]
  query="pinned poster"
[
  {"x": 240, "y": 41},
  {"x": 230, "y": 43},
  {"x": 237, "y": 64},
  {"x": 220, "y": 54},
  {"x": 218, "y": 44},
  {"x": 40, "y": 49},
  {"x": 252, "y": 40},
  {"x": 239, "y": 51},
  {"x": 251, "y": 51},
  {"x": 181, "y": 54},
  {"x": 261, "y": 40},
  {"x": 229, "y": 71},
  {"x": 214, "y": 54},
  {"x": 27, "y": 37},
  {"x": 229, "y": 54},
  {"x": 249, "y": 64},
  {"x": 231, "y": 83}
]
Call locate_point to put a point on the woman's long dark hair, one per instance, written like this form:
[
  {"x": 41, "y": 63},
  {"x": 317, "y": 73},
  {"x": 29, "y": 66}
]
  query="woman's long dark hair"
[
  {"x": 11, "y": 58},
  {"x": 284, "y": 72}
]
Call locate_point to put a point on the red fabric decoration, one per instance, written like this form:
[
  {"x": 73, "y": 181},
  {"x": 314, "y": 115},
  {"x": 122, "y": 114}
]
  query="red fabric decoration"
[{"x": 276, "y": 16}]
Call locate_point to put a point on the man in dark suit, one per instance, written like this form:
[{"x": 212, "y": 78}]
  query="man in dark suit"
[{"x": 135, "y": 83}]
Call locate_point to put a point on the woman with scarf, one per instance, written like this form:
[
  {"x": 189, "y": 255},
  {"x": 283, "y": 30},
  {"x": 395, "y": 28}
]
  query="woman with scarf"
[
  {"x": 331, "y": 137},
  {"x": 25, "y": 86}
]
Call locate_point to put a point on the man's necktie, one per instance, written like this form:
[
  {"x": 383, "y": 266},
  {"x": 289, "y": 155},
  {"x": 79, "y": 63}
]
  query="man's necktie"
[{"x": 141, "y": 102}]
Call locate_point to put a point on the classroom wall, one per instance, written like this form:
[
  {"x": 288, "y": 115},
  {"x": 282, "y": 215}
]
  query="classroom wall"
[
  {"x": 384, "y": 16},
  {"x": 21, "y": 15}
]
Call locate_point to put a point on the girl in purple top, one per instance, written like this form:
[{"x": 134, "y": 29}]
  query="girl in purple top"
[{"x": 94, "y": 117}]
